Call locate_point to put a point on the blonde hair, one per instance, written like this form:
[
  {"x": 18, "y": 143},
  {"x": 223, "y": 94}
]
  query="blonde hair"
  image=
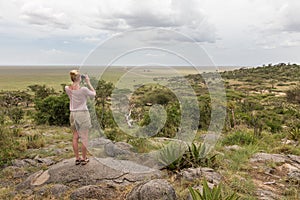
[{"x": 74, "y": 74}]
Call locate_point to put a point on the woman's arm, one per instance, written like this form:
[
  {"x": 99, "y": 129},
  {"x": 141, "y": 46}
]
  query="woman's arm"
[{"x": 91, "y": 88}]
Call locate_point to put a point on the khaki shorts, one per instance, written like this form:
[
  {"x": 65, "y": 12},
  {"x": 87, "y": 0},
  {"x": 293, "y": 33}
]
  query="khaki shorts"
[{"x": 80, "y": 120}]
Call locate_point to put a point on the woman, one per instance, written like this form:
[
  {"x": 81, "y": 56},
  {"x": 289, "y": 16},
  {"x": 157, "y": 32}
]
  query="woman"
[{"x": 79, "y": 115}]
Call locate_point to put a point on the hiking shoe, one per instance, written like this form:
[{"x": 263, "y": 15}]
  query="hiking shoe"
[
  {"x": 77, "y": 162},
  {"x": 84, "y": 162}
]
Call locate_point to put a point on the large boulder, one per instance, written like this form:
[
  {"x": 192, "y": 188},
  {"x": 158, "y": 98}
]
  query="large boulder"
[
  {"x": 154, "y": 189},
  {"x": 96, "y": 171}
]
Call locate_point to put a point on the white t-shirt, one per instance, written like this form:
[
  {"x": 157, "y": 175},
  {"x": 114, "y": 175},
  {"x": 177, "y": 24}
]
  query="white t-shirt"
[{"x": 78, "y": 98}]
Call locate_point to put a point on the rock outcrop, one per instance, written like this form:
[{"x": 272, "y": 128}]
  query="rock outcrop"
[{"x": 154, "y": 189}]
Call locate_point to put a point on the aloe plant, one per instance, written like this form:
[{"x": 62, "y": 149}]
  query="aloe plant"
[
  {"x": 295, "y": 133},
  {"x": 180, "y": 157},
  {"x": 211, "y": 194}
]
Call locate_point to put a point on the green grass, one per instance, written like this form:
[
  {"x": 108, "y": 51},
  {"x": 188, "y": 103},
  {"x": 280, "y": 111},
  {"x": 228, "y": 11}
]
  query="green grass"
[{"x": 19, "y": 78}]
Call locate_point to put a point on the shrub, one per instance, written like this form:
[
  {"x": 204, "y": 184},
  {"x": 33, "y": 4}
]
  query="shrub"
[
  {"x": 274, "y": 125},
  {"x": 241, "y": 138},
  {"x": 16, "y": 114},
  {"x": 53, "y": 110},
  {"x": 35, "y": 140},
  {"x": 293, "y": 95},
  {"x": 41, "y": 91},
  {"x": 8, "y": 146},
  {"x": 2, "y": 118}
]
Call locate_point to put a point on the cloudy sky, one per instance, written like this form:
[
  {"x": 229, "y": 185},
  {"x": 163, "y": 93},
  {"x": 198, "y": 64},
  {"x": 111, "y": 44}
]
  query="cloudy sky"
[{"x": 232, "y": 32}]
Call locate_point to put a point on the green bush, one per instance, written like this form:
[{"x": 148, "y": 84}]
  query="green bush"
[
  {"x": 53, "y": 110},
  {"x": 293, "y": 95},
  {"x": 41, "y": 91},
  {"x": 16, "y": 114},
  {"x": 2, "y": 118},
  {"x": 8, "y": 146},
  {"x": 239, "y": 138}
]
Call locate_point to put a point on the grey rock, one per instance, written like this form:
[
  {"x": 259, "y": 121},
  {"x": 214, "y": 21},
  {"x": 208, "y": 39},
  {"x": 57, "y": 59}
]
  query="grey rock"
[
  {"x": 58, "y": 190},
  {"x": 94, "y": 192},
  {"x": 27, "y": 184},
  {"x": 209, "y": 174},
  {"x": 118, "y": 149},
  {"x": 99, "y": 142},
  {"x": 31, "y": 162},
  {"x": 154, "y": 189},
  {"x": 46, "y": 161},
  {"x": 266, "y": 195},
  {"x": 233, "y": 148},
  {"x": 294, "y": 158},
  {"x": 96, "y": 171},
  {"x": 27, "y": 192},
  {"x": 294, "y": 176},
  {"x": 263, "y": 157},
  {"x": 43, "y": 191},
  {"x": 190, "y": 174},
  {"x": 19, "y": 163}
]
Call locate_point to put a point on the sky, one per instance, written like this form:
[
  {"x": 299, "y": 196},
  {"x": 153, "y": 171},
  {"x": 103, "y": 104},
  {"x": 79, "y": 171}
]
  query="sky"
[{"x": 229, "y": 33}]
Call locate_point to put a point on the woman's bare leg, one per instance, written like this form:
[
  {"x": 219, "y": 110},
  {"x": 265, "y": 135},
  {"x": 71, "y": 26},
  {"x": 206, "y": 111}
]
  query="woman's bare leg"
[
  {"x": 75, "y": 144},
  {"x": 84, "y": 141}
]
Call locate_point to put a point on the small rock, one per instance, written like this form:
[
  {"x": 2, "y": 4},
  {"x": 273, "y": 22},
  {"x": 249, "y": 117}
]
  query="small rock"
[
  {"x": 263, "y": 157},
  {"x": 35, "y": 179},
  {"x": 154, "y": 189},
  {"x": 290, "y": 142},
  {"x": 266, "y": 195},
  {"x": 19, "y": 163},
  {"x": 58, "y": 190},
  {"x": 295, "y": 158},
  {"x": 269, "y": 183},
  {"x": 27, "y": 192},
  {"x": 31, "y": 162},
  {"x": 294, "y": 176},
  {"x": 46, "y": 161},
  {"x": 43, "y": 191},
  {"x": 190, "y": 173},
  {"x": 233, "y": 148},
  {"x": 211, "y": 175},
  {"x": 27, "y": 126}
]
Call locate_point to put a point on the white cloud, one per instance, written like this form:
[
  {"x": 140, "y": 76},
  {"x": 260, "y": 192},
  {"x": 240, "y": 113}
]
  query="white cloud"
[
  {"x": 234, "y": 29},
  {"x": 52, "y": 51},
  {"x": 92, "y": 39},
  {"x": 291, "y": 17},
  {"x": 39, "y": 14},
  {"x": 184, "y": 17}
]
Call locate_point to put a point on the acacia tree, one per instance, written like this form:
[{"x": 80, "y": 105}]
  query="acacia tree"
[{"x": 103, "y": 91}]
